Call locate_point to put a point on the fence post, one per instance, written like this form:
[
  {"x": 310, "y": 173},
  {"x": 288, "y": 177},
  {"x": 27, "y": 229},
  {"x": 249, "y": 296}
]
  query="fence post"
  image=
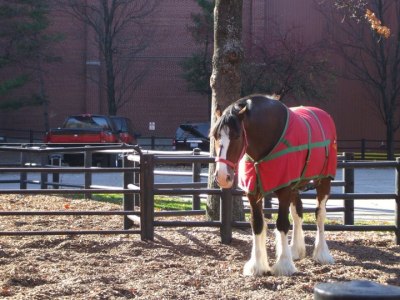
[
  {"x": 23, "y": 176},
  {"x": 147, "y": 196},
  {"x": 55, "y": 160},
  {"x": 397, "y": 208},
  {"x": 136, "y": 181},
  {"x": 196, "y": 170},
  {"x": 87, "y": 162},
  {"x": 226, "y": 216},
  {"x": 363, "y": 147},
  {"x": 30, "y": 136},
  {"x": 267, "y": 204},
  {"x": 128, "y": 202},
  {"x": 43, "y": 175},
  {"x": 348, "y": 177}
]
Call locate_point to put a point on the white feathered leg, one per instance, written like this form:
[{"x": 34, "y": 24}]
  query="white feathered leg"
[
  {"x": 321, "y": 251},
  {"x": 297, "y": 244},
  {"x": 284, "y": 265},
  {"x": 258, "y": 263}
]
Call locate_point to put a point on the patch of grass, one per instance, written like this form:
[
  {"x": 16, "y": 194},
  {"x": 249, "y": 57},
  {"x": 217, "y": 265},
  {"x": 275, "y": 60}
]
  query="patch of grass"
[
  {"x": 109, "y": 198},
  {"x": 373, "y": 222},
  {"x": 160, "y": 202},
  {"x": 174, "y": 203}
]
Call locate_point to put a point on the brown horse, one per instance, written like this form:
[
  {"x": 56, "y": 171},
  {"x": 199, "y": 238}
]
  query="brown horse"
[{"x": 273, "y": 148}]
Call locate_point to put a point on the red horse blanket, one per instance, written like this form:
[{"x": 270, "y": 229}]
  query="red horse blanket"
[{"x": 306, "y": 150}]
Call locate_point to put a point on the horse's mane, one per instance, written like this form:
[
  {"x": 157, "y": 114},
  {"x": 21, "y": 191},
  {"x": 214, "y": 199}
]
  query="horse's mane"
[{"x": 230, "y": 117}]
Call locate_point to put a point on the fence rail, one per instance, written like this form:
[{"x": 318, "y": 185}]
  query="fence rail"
[{"x": 139, "y": 189}]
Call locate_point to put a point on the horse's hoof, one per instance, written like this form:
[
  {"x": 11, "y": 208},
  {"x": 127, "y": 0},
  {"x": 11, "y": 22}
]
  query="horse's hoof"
[
  {"x": 284, "y": 267},
  {"x": 323, "y": 256},
  {"x": 298, "y": 252},
  {"x": 325, "y": 259},
  {"x": 251, "y": 268}
]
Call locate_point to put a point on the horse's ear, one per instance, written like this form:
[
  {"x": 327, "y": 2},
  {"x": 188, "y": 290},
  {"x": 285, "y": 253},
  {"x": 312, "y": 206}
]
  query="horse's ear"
[
  {"x": 218, "y": 112},
  {"x": 242, "y": 110},
  {"x": 276, "y": 96}
]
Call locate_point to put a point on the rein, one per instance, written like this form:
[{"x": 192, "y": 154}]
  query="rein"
[{"x": 231, "y": 164}]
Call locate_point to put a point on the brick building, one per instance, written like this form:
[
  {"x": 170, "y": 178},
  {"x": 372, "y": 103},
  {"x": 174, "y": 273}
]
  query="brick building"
[{"x": 162, "y": 96}]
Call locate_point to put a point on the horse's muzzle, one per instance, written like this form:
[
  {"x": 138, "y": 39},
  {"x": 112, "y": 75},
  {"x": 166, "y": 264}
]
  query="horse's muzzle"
[{"x": 224, "y": 181}]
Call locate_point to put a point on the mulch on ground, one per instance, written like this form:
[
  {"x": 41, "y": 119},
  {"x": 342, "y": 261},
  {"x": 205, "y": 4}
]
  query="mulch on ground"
[{"x": 181, "y": 263}]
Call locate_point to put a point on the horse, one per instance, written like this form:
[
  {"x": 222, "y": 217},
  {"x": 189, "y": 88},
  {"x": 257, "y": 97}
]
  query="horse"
[{"x": 270, "y": 148}]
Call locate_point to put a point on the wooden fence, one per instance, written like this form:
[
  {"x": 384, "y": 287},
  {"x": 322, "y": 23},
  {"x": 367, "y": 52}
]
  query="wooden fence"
[
  {"x": 139, "y": 183},
  {"x": 149, "y": 190}
]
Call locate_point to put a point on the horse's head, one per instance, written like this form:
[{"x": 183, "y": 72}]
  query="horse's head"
[{"x": 230, "y": 143}]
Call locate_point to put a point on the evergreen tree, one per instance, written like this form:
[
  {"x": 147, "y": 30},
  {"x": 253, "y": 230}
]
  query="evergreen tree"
[
  {"x": 198, "y": 67},
  {"x": 25, "y": 48}
]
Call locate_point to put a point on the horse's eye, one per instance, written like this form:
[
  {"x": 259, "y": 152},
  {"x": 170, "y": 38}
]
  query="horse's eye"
[{"x": 233, "y": 135}]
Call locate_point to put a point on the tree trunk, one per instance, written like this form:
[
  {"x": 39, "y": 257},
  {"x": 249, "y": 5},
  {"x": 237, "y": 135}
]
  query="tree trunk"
[
  {"x": 110, "y": 79},
  {"x": 112, "y": 105},
  {"x": 225, "y": 80},
  {"x": 42, "y": 94},
  {"x": 389, "y": 140}
]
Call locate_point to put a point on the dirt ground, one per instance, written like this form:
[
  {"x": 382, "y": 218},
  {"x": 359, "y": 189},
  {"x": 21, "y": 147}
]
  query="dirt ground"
[{"x": 181, "y": 263}]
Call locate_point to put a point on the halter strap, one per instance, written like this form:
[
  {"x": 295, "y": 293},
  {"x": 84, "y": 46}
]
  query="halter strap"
[
  {"x": 227, "y": 162},
  {"x": 231, "y": 164}
]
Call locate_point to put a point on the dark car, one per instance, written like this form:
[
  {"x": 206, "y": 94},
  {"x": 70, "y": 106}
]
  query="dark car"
[
  {"x": 192, "y": 135},
  {"x": 123, "y": 127}
]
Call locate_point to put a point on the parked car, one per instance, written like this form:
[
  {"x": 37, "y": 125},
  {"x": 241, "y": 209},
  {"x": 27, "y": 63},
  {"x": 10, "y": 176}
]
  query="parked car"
[
  {"x": 92, "y": 129},
  {"x": 192, "y": 135},
  {"x": 83, "y": 129},
  {"x": 88, "y": 129}
]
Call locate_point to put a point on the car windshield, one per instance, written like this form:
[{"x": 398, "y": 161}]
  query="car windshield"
[
  {"x": 199, "y": 130},
  {"x": 86, "y": 122}
]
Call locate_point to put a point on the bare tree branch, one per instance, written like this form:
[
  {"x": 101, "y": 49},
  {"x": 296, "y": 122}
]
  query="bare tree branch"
[
  {"x": 120, "y": 36},
  {"x": 372, "y": 56}
]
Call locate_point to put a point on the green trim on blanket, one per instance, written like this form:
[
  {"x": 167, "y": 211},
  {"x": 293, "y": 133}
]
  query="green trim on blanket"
[
  {"x": 290, "y": 150},
  {"x": 297, "y": 180}
]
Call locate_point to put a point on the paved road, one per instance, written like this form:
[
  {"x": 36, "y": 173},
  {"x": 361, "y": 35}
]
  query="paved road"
[{"x": 366, "y": 181}]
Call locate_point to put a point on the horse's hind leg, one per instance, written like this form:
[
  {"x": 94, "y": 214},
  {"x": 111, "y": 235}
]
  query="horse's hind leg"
[
  {"x": 321, "y": 252},
  {"x": 297, "y": 244},
  {"x": 258, "y": 263}
]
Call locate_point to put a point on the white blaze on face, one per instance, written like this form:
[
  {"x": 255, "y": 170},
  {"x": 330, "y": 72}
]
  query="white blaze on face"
[{"x": 224, "y": 176}]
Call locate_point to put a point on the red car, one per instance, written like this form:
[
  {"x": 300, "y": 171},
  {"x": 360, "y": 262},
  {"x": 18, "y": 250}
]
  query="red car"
[{"x": 92, "y": 129}]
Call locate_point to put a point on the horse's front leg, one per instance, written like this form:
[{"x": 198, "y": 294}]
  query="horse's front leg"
[
  {"x": 284, "y": 265},
  {"x": 258, "y": 263}
]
